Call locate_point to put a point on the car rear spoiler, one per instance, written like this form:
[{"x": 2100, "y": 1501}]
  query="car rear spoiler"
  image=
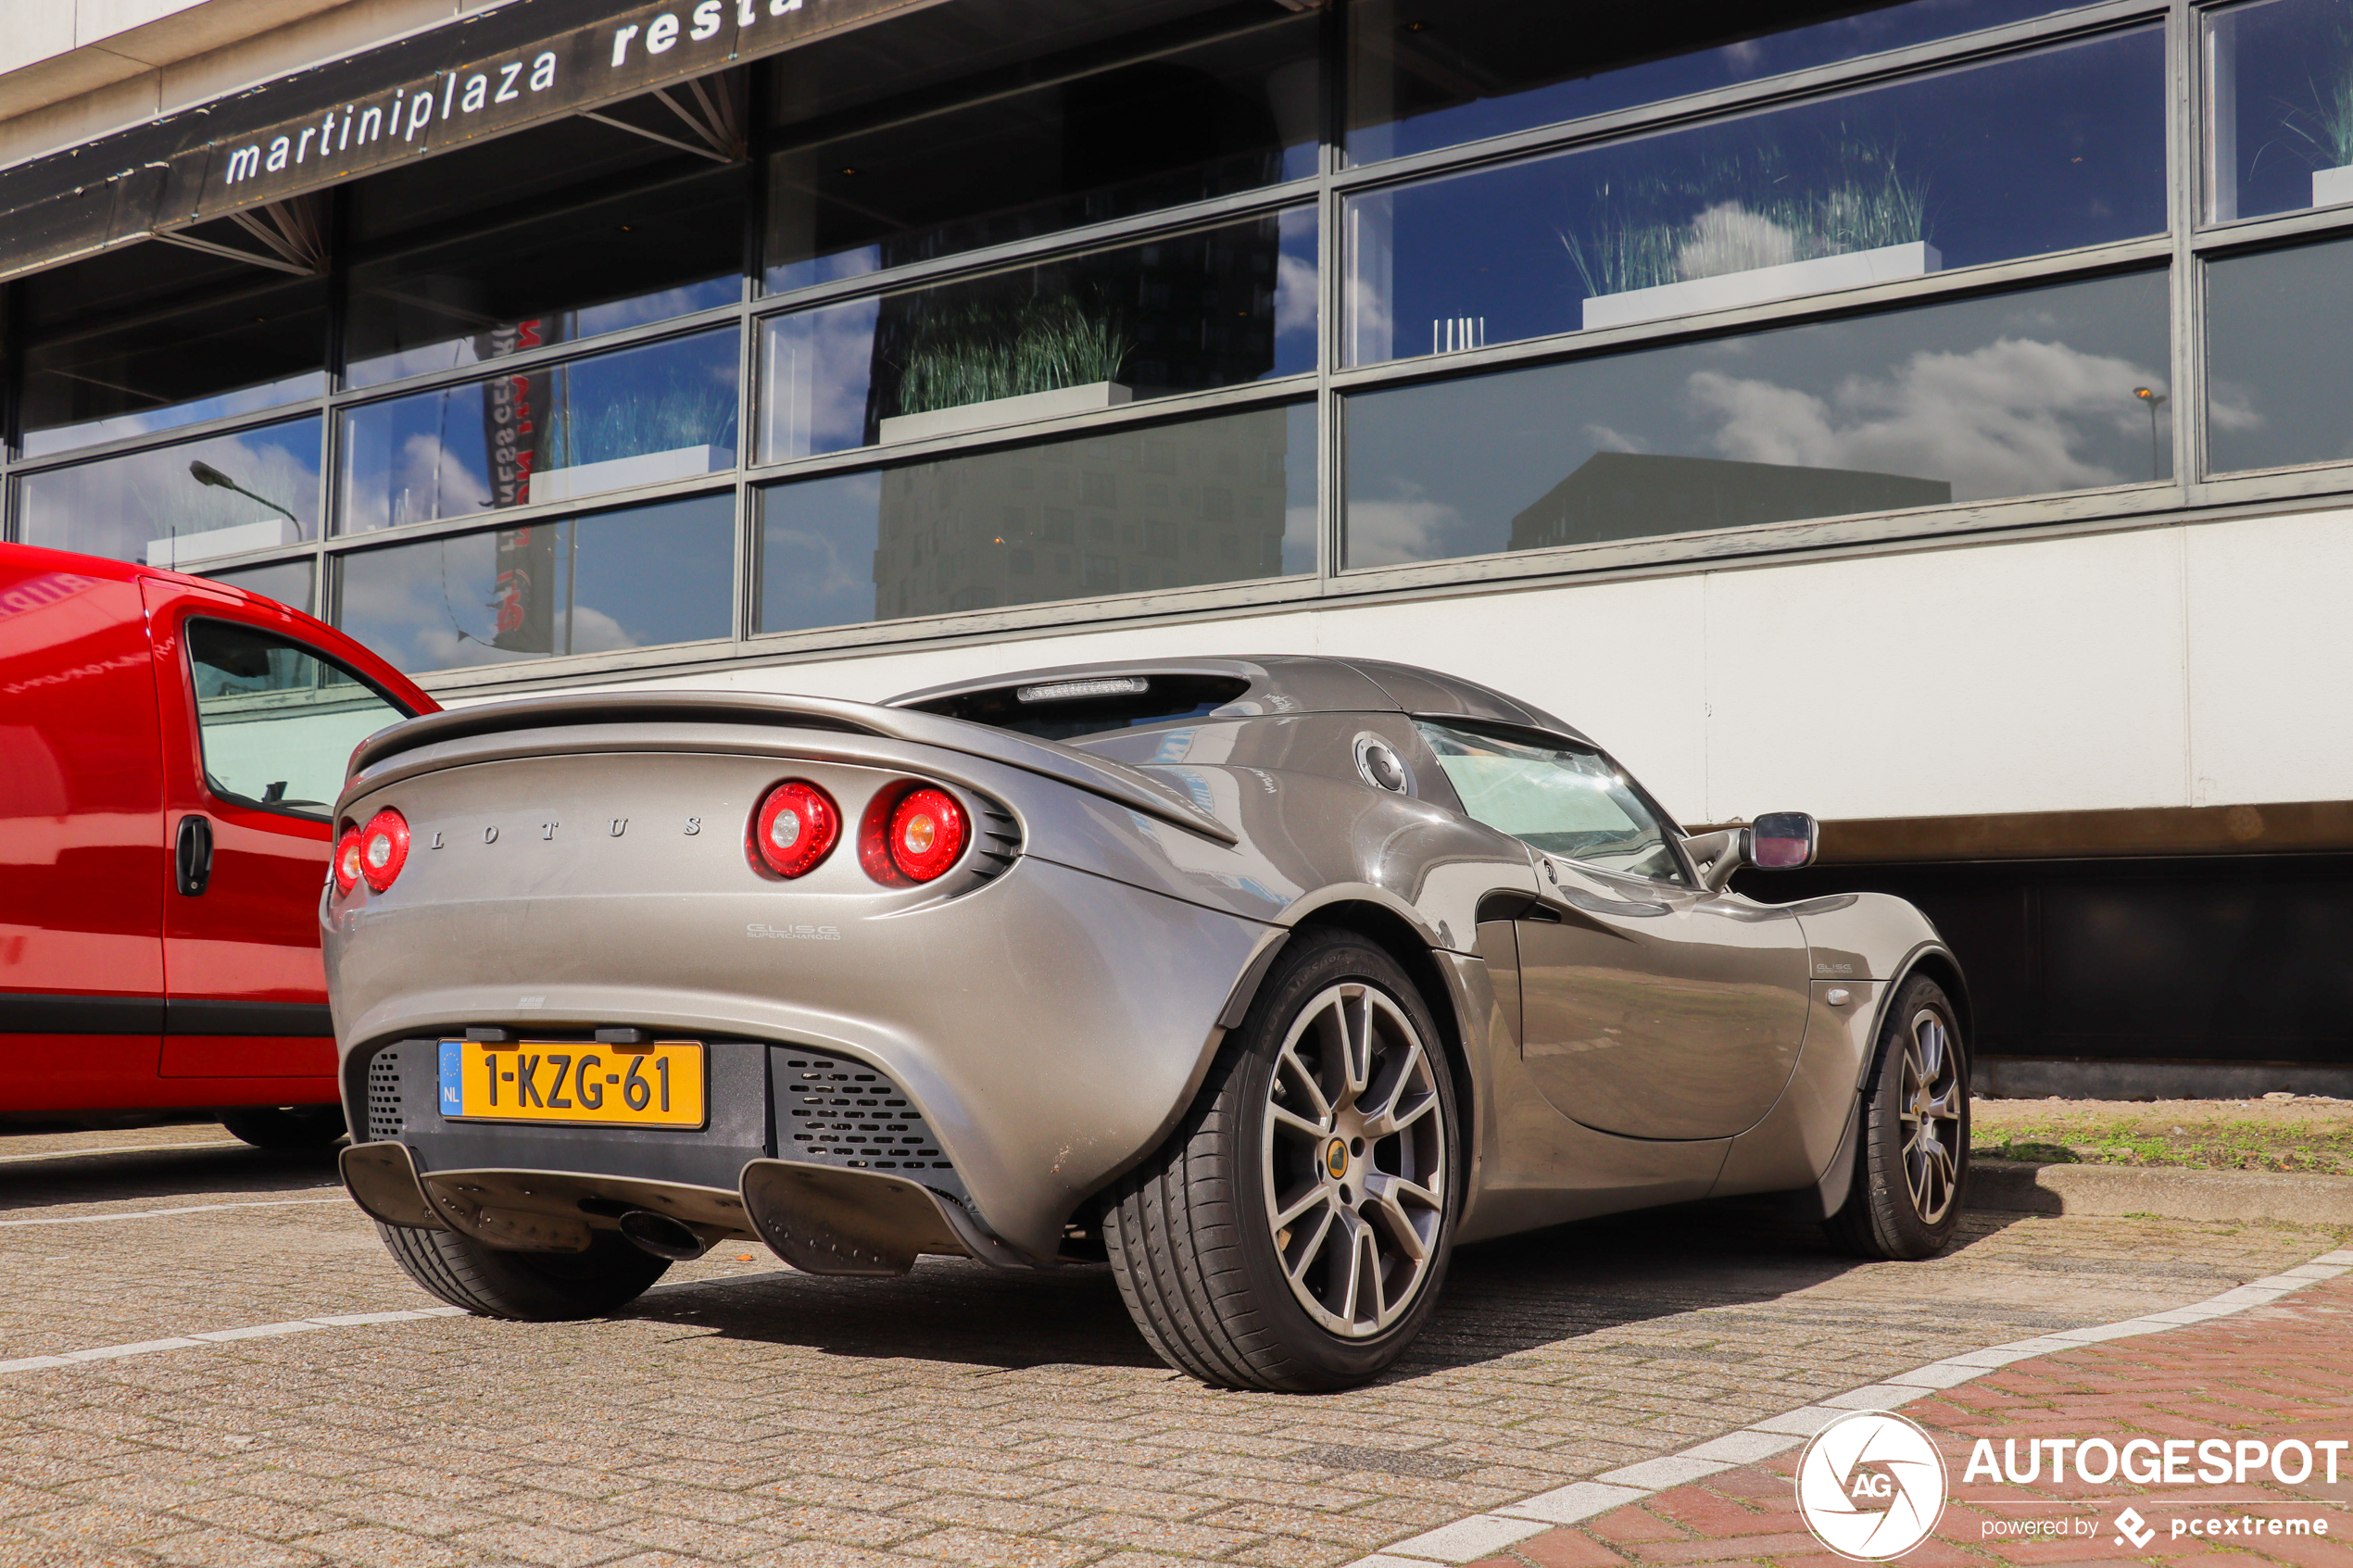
[{"x": 1113, "y": 781}]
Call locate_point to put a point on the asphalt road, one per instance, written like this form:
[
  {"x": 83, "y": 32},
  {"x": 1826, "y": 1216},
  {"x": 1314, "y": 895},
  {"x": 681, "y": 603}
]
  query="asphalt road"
[{"x": 743, "y": 1413}]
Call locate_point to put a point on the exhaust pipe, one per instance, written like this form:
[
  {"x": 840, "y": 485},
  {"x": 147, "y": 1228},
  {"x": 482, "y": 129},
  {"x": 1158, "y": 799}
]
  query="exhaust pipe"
[{"x": 662, "y": 1236}]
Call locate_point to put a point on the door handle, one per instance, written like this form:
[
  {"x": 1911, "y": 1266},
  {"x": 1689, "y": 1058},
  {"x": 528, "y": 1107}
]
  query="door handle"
[{"x": 191, "y": 856}]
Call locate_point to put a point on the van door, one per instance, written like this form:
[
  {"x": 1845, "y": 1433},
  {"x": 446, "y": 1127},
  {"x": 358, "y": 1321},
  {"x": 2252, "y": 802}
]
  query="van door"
[
  {"x": 258, "y": 726},
  {"x": 81, "y": 843}
]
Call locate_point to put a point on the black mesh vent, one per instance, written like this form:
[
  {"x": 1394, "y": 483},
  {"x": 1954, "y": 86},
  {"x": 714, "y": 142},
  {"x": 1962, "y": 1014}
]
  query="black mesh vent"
[
  {"x": 385, "y": 1121},
  {"x": 834, "y": 1112}
]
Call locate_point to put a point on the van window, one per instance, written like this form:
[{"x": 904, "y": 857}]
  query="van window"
[{"x": 278, "y": 720}]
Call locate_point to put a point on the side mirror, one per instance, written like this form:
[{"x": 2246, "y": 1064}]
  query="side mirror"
[{"x": 1781, "y": 841}]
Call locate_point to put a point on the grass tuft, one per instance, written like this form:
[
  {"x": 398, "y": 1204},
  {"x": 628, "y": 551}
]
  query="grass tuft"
[
  {"x": 981, "y": 351},
  {"x": 1742, "y": 213}
]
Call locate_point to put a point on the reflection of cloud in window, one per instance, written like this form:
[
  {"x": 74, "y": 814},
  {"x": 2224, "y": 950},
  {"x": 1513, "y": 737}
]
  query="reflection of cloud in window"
[
  {"x": 1294, "y": 294},
  {"x": 2007, "y": 419},
  {"x": 1406, "y": 527},
  {"x": 595, "y": 632},
  {"x": 435, "y": 481},
  {"x": 115, "y": 507}
]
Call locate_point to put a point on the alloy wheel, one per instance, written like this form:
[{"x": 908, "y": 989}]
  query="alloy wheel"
[
  {"x": 1930, "y": 1112},
  {"x": 1355, "y": 1160}
]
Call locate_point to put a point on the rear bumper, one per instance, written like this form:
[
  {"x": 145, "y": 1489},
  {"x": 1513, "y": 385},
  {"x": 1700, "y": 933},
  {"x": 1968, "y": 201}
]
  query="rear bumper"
[{"x": 1047, "y": 1029}]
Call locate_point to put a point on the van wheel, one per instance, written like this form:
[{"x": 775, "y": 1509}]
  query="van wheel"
[
  {"x": 1913, "y": 1157},
  {"x": 1293, "y": 1233},
  {"x": 523, "y": 1286},
  {"x": 285, "y": 1127}
]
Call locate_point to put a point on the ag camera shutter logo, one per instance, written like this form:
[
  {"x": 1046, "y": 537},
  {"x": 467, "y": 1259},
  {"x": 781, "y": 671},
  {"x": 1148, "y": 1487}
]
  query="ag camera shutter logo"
[{"x": 1870, "y": 1485}]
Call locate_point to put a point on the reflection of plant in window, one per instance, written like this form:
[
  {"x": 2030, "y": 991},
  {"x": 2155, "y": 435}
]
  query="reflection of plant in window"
[
  {"x": 982, "y": 350},
  {"x": 1742, "y": 213},
  {"x": 637, "y": 423},
  {"x": 2326, "y": 126}
]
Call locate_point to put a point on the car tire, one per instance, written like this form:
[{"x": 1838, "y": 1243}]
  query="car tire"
[
  {"x": 286, "y": 1126},
  {"x": 1221, "y": 1287},
  {"x": 1912, "y": 1153},
  {"x": 523, "y": 1286}
]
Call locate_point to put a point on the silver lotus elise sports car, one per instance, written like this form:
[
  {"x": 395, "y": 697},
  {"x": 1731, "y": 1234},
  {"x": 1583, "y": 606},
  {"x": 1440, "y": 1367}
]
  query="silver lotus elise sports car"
[{"x": 1269, "y": 980}]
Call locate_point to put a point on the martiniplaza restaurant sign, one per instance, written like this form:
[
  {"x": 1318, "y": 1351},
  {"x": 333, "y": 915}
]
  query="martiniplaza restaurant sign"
[{"x": 497, "y": 72}]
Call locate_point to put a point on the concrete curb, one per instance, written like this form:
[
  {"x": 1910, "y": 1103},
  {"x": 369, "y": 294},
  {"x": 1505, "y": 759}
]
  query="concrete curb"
[{"x": 2240, "y": 1196}]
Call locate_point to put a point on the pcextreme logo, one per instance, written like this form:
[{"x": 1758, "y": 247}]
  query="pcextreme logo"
[{"x": 1870, "y": 1485}]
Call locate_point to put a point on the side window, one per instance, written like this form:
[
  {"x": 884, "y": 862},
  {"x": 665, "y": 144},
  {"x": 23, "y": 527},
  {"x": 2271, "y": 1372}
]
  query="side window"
[
  {"x": 1566, "y": 800},
  {"x": 278, "y": 721}
]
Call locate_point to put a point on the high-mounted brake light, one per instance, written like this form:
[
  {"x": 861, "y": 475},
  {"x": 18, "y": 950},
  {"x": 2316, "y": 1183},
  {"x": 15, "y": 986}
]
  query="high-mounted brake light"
[
  {"x": 347, "y": 861},
  {"x": 384, "y": 848},
  {"x": 797, "y": 826},
  {"x": 913, "y": 835}
]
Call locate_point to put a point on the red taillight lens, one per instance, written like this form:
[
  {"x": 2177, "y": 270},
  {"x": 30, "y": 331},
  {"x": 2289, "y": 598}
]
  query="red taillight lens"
[
  {"x": 347, "y": 863},
  {"x": 913, "y": 835},
  {"x": 797, "y": 826},
  {"x": 384, "y": 848}
]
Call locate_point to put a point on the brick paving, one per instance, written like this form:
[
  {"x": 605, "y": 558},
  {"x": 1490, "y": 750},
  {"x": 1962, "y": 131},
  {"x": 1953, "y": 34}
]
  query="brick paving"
[
  {"x": 2273, "y": 1373},
  {"x": 748, "y": 1414}
]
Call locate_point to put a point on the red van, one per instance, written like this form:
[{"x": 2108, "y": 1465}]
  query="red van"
[{"x": 170, "y": 754}]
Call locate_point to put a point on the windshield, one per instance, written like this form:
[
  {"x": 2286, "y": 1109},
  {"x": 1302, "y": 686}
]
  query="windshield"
[{"x": 1569, "y": 801}]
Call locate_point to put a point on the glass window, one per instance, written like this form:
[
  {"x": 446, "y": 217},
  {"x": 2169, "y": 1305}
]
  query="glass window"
[
  {"x": 605, "y": 422},
  {"x": 1566, "y": 800},
  {"x": 288, "y": 581},
  {"x": 637, "y": 578},
  {"x": 2046, "y": 390},
  {"x": 1216, "y": 307},
  {"x": 1213, "y": 500},
  {"x": 185, "y": 505},
  {"x": 2279, "y": 334},
  {"x": 2038, "y": 153},
  {"x": 2280, "y": 112},
  {"x": 1432, "y": 73},
  {"x": 914, "y": 182},
  {"x": 174, "y": 358},
  {"x": 507, "y": 285},
  {"x": 277, "y": 721}
]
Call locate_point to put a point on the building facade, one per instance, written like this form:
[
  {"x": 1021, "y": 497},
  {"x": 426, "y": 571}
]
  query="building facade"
[{"x": 1932, "y": 415}]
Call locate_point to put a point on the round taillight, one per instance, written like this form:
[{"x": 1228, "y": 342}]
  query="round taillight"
[
  {"x": 797, "y": 826},
  {"x": 913, "y": 835},
  {"x": 384, "y": 848},
  {"x": 347, "y": 861}
]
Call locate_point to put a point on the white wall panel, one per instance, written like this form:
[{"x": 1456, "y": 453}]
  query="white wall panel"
[
  {"x": 2035, "y": 676},
  {"x": 2163, "y": 666},
  {"x": 2270, "y": 638}
]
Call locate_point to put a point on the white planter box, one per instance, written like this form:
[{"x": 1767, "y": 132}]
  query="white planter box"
[
  {"x": 1007, "y": 410},
  {"x": 2331, "y": 186},
  {"x": 1820, "y": 275},
  {"x": 619, "y": 473},
  {"x": 214, "y": 543}
]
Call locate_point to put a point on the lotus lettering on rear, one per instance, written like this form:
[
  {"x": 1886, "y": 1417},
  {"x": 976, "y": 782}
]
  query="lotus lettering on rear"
[{"x": 759, "y": 929}]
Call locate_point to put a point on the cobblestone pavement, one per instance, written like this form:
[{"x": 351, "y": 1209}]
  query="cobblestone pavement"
[
  {"x": 748, "y": 1415},
  {"x": 2278, "y": 1372}
]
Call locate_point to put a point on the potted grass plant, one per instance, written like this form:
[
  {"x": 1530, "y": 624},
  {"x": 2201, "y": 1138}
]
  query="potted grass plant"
[
  {"x": 1746, "y": 229},
  {"x": 640, "y": 437},
  {"x": 2327, "y": 130},
  {"x": 990, "y": 361}
]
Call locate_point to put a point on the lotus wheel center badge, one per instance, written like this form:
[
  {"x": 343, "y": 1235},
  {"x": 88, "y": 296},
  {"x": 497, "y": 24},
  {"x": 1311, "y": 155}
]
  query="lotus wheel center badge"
[{"x": 1335, "y": 1157}]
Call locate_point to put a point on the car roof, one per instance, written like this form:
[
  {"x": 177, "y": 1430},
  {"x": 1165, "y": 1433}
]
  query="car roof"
[
  {"x": 1294, "y": 683},
  {"x": 38, "y": 557}
]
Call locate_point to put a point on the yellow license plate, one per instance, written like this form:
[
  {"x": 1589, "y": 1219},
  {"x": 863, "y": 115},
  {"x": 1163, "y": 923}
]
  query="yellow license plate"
[{"x": 651, "y": 1085}]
